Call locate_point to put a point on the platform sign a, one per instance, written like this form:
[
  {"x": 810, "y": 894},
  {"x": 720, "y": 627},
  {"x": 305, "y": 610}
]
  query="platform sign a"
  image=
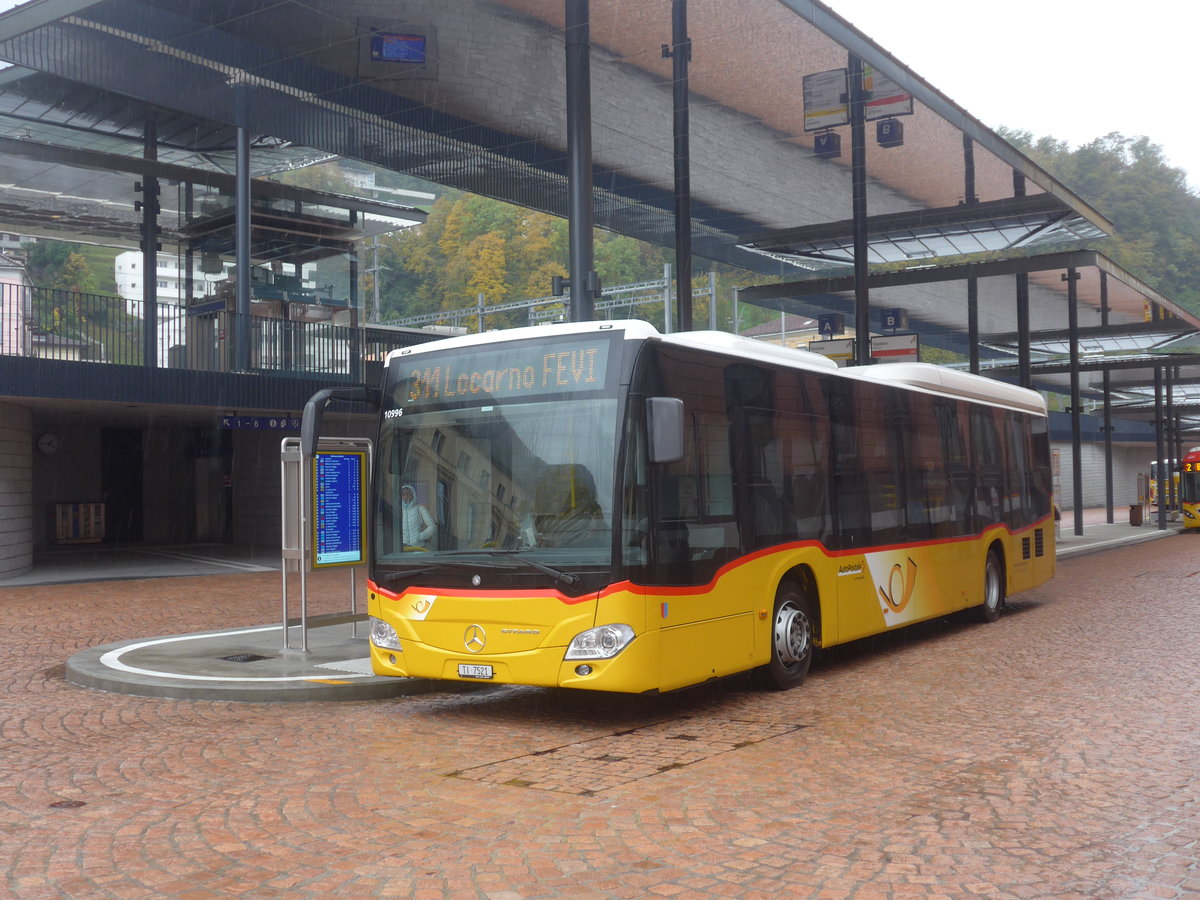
[
  {"x": 841, "y": 351},
  {"x": 829, "y": 324},
  {"x": 339, "y": 509}
]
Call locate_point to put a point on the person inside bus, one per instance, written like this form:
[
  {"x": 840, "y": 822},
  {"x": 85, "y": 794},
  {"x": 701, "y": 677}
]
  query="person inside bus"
[
  {"x": 566, "y": 512},
  {"x": 416, "y": 523}
]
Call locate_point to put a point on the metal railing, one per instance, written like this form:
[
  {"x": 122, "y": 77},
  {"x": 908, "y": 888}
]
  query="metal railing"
[{"x": 71, "y": 326}]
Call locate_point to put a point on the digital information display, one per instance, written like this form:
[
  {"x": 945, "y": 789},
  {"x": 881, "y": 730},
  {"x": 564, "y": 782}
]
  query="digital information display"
[
  {"x": 504, "y": 373},
  {"x": 339, "y": 509},
  {"x": 400, "y": 48}
]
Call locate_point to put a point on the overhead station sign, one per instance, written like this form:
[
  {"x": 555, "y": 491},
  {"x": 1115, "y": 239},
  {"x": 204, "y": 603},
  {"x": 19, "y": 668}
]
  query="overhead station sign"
[
  {"x": 826, "y": 100},
  {"x": 894, "y": 348},
  {"x": 884, "y": 97}
]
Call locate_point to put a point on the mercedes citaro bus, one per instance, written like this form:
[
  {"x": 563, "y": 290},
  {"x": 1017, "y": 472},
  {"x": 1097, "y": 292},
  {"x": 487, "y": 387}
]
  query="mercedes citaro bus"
[{"x": 622, "y": 510}]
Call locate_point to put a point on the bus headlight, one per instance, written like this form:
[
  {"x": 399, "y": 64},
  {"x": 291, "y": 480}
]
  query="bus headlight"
[
  {"x": 384, "y": 635},
  {"x": 603, "y": 642}
]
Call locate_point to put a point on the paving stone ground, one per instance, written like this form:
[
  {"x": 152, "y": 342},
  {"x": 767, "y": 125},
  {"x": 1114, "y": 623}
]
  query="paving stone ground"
[{"x": 1052, "y": 754}]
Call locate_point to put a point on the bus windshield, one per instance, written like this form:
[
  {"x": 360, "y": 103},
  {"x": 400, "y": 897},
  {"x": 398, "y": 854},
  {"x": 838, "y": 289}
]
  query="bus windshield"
[{"x": 533, "y": 479}]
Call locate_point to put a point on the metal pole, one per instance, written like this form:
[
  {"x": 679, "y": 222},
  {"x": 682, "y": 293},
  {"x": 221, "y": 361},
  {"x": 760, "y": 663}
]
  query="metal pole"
[
  {"x": 712, "y": 300},
  {"x": 1108, "y": 460},
  {"x": 680, "y": 52},
  {"x": 858, "y": 185},
  {"x": 1159, "y": 450},
  {"x": 1024, "y": 365},
  {"x": 973, "y": 322},
  {"x": 354, "y": 365},
  {"x": 667, "y": 304},
  {"x": 1168, "y": 490},
  {"x": 968, "y": 146},
  {"x": 1071, "y": 278},
  {"x": 585, "y": 286},
  {"x": 969, "y": 169},
  {"x": 150, "y": 205},
  {"x": 242, "y": 226}
]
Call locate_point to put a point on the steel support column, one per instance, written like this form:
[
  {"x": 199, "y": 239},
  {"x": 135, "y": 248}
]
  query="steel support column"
[
  {"x": 355, "y": 363},
  {"x": 973, "y": 322},
  {"x": 858, "y": 185},
  {"x": 1071, "y": 278},
  {"x": 680, "y": 52},
  {"x": 585, "y": 285},
  {"x": 1159, "y": 449},
  {"x": 150, "y": 209},
  {"x": 1024, "y": 362},
  {"x": 241, "y": 243},
  {"x": 1168, "y": 490},
  {"x": 1024, "y": 357},
  {"x": 1108, "y": 460}
]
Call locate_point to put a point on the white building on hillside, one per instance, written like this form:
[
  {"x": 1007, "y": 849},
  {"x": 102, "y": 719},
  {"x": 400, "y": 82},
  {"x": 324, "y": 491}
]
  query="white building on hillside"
[{"x": 170, "y": 287}]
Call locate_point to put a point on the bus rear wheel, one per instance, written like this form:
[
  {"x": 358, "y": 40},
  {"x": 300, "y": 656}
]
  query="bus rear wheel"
[
  {"x": 993, "y": 588},
  {"x": 792, "y": 628}
]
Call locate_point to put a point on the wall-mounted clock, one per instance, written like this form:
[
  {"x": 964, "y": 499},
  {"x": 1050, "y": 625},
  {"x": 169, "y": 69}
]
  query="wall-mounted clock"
[{"x": 49, "y": 443}]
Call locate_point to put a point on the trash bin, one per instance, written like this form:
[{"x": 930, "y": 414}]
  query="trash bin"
[{"x": 1135, "y": 514}]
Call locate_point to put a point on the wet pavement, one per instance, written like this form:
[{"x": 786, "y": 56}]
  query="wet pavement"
[{"x": 1052, "y": 754}]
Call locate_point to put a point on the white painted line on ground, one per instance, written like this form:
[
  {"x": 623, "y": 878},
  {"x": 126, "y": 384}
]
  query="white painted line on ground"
[
  {"x": 357, "y": 666},
  {"x": 112, "y": 659}
]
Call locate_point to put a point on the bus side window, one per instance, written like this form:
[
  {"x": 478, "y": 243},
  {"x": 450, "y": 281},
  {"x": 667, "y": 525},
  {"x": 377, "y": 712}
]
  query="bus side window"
[
  {"x": 849, "y": 485},
  {"x": 1020, "y": 473},
  {"x": 990, "y": 489},
  {"x": 951, "y": 419},
  {"x": 930, "y": 510},
  {"x": 880, "y": 458}
]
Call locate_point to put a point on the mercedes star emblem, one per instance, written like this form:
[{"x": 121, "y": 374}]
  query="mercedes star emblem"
[{"x": 475, "y": 638}]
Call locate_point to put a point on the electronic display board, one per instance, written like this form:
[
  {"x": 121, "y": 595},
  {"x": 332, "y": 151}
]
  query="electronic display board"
[
  {"x": 398, "y": 48},
  {"x": 514, "y": 371},
  {"x": 339, "y": 480}
]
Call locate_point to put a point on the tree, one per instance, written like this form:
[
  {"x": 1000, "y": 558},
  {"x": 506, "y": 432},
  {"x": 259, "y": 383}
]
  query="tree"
[
  {"x": 75, "y": 275},
  {"x": 44, "y": 260},
  {"x": 1155, "y": 217}
]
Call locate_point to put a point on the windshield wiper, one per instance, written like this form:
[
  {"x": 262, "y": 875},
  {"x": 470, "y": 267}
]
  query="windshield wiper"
[
  {"x": 391, "y": 577},
  {"x": 565, "y": 578}
]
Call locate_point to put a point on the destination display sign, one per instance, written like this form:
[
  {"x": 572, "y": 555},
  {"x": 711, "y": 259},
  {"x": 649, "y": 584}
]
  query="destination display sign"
[
  {"x": 338, "y": 511},
  {"x": 507, "y": 372},
  {"x": 885, "y": 96},
  {"x": 825, "y": 100}
]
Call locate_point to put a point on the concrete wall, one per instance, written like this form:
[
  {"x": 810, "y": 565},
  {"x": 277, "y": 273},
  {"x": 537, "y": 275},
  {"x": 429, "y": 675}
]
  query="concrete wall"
[
  {"x": 16, "y": 490},
  {"x": 1128, "y": 462}
]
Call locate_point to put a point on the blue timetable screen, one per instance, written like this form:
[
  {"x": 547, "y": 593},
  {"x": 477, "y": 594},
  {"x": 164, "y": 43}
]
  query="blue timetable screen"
[{"x": 338, "y": 480}]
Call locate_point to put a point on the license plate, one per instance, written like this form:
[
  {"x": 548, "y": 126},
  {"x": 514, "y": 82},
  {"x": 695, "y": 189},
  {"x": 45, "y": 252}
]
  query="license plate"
[{"x": 466, "y": 670}]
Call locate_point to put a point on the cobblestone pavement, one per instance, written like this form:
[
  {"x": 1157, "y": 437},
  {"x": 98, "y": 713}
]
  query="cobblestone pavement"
[{"x": 1053, "y": 754}]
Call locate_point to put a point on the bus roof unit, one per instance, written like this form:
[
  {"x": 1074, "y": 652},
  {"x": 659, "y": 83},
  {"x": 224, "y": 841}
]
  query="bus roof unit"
[{"x": 950, "y": 381}]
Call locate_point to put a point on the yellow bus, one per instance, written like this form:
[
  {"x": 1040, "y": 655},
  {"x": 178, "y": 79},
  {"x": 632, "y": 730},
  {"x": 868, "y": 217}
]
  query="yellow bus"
[
  {"x": 1189, "y": 488},
  {"x": 622, "y": 510}
]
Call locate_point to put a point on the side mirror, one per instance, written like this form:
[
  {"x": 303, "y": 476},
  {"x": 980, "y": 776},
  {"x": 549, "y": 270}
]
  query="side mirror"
[{"x": 664, "y": 427}]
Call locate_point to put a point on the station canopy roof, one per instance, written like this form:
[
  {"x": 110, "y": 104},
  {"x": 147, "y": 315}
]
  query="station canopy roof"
[
  {"x": 484, "y": 110},
  {"x": 471, "y": 94}
]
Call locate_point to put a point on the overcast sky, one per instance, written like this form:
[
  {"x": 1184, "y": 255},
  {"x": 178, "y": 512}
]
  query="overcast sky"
[{"x": 1075, "y": 70}]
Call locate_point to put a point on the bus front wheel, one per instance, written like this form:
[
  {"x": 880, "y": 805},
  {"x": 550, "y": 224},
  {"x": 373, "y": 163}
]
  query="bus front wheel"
[
  {"x": 792, "y": 627},
  {"x": 993, "y": 588}
]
